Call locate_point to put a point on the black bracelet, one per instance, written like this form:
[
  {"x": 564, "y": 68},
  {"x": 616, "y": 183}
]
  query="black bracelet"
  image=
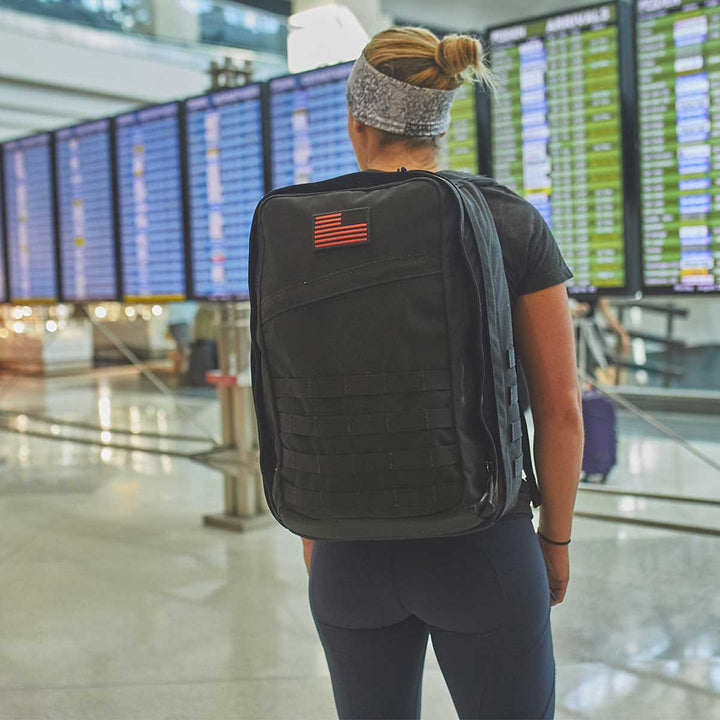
[{"x": 552, "y": 542}]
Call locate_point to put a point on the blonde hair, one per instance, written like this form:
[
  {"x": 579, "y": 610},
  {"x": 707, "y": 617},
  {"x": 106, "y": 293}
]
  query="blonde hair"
[{"x": 417, "y": 56}]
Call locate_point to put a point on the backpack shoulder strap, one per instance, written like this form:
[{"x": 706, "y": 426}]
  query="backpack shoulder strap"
[{"x": 497, "y": 300}]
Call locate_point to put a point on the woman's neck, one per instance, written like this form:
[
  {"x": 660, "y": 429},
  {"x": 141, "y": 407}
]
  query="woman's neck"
[{"x": 391, "y": 158}]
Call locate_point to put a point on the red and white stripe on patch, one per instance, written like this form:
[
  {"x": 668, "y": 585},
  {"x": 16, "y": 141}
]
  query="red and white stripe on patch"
[{"x": 341, "y": 228}]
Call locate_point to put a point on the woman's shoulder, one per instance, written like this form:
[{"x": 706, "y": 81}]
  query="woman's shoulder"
[
  {"x": 507, "y": 207},
  {"x": 531, "y": 256}
]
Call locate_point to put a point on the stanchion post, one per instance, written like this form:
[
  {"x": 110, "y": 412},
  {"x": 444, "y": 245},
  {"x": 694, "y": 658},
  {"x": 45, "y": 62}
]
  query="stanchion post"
[{"x": 245, "y": 506}]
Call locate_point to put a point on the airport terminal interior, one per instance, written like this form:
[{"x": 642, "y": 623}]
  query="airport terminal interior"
[{"x": 142, "y": 574}]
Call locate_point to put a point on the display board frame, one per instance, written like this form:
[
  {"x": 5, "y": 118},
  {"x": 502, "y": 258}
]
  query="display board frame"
[
  {"x": 63, "y": 296},
  {"x": 268, "y": 113},
  {"x": 4, "y": 297},
  {"x": 11, "y": 299},
  {"x": 192, "y": 293},
  {"x": 124, "y": 296},
  {"x": 653, "y": 290},
  {"x": 628, "y": 137}
]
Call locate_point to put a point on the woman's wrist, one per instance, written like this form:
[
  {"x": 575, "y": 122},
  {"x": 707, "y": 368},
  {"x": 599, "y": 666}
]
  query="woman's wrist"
[{"x": 551, "y": 541}]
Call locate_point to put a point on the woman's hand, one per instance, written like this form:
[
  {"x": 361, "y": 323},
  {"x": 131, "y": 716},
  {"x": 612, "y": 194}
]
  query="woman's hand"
[{"x": 557, "y": 564}]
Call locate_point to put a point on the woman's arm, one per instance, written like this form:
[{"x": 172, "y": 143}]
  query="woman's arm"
[
  {"x": 307, "y": 551},
  {"x": 546, "y": 346}
]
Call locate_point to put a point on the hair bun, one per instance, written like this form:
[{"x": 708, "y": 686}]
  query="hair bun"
[{"x": 457, "y": 53}]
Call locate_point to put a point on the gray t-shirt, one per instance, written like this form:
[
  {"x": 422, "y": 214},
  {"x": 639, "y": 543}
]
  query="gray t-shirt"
[{"x": 531, "y": 256}]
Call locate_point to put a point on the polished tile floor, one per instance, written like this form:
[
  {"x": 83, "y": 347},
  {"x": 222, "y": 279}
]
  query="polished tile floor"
[{"x": 116, "y": 603}]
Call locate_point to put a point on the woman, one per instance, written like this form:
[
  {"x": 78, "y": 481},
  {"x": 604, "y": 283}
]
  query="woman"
[{"x": 485, "y": 598}]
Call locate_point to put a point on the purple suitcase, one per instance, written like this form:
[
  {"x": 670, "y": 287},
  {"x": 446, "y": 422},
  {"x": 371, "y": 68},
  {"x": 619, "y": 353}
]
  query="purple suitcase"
[{"x": 600, "y": 453}]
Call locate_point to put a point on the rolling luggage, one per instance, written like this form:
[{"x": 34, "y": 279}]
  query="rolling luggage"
[
  {"x": 384, "y": 373},
  {"x": 600, "y": 454}
]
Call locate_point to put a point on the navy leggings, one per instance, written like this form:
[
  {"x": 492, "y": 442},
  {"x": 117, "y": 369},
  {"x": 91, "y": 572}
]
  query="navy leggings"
[{"x": 483, "y": 599}]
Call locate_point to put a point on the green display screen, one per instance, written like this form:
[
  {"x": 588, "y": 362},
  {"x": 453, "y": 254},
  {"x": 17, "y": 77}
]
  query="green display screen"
[
  {"x": 557, "y": 135},
  {"x": 459, "y": 148},
  {"x": 678, "y": 46}
]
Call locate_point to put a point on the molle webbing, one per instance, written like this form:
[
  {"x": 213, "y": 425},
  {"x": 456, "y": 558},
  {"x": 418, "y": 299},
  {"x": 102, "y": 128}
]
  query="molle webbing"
[
  {"x": 381, "y": 384},
  {"x": 332, "y": 481},
  {"x": 356, "y": 464},
  {"x": 370, "y": 424},
  {"x": 386, "y": 502}
]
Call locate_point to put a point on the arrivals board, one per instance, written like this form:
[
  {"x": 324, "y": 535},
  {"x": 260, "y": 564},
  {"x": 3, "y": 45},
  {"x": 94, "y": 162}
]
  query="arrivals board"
[
  {"x": 30, "y": 220},
  {"x": 557, "y": 136},
  {"x": 150, "y": 204},
  {"x": 224, "y": 145},
  {"x": 678, "y": 59},
  {"x": 3, "y": 280},
  {"x": 308, "y": 126},
  {"x": 459, "y": 147},
  {"x": 83, "y": 172}
]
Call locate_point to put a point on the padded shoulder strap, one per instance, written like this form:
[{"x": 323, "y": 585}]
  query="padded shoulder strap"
[{"x": 497, "y": 302}]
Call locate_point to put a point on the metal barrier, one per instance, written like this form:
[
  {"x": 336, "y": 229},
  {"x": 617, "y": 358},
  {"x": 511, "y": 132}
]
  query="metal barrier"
[{"x": 238, "y": 458}]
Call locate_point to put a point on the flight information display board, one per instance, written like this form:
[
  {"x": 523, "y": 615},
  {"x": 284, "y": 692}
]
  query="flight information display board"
[
  {"x": 83, "y": 171},
  {"x": 150, "y": 202},
  {"x": 3, "y": 281},
  {"x": 459, "y": 148},
  {"x": 226, "y": 181},
  {"x": 308, "y": 126},
  {"x": 30, "y": 220},
  {"x": 557, "y": 135},
  {"x": 679, "y": 100}
]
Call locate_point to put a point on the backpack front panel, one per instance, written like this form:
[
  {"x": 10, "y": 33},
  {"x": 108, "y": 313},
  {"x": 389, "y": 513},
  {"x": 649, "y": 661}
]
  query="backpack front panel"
[{"x": 358, "y": 355}]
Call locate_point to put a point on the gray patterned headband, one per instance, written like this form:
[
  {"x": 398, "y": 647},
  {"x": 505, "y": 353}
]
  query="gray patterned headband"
[{"x": 395, "y": 106}]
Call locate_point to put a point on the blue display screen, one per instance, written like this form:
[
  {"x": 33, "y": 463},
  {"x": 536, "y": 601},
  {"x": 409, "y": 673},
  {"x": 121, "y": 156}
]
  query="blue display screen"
[
  {"x": 29, "y": 217},
  {"x": 226, "y": 182},
  {"x": 85, "y": 212},
  {"x": 150, "y": 201},
  {"x": 3, "y": 286},
  {"x": 308, "y": 119}
]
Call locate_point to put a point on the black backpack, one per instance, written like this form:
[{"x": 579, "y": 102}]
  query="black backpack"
[{"x": 383, "y": 365}]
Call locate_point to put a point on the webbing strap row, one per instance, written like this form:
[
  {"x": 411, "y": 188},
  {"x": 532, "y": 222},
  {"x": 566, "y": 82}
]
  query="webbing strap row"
[
  {"x": 372, "y": 481},
  {"x": 365, "y": 404},
  {"x": 382, "y": 384},
  {"x": 430, "y": 499},
  {"x": 373, "y": 424},
  {"x": 354, "y": 464}
]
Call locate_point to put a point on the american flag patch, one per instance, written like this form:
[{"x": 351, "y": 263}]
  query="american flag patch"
[{"x": 338, "y": 229}]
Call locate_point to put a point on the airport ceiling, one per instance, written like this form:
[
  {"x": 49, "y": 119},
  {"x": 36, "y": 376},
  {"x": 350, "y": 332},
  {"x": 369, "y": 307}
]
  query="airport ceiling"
[{"x": 473, "y": 14}]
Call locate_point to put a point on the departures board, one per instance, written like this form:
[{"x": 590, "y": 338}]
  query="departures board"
[
  {"x": 308, "y": 126},
  {"x": 151, "y": 204},
  {"x": 3, "y": 277},
  {"x": 678, "y": 60},
  {"x": 459, "y": 147},
  {"x": 225, "y": 182},
  {"x": 86, "y": 217},
  {"x": 29, "y": 215},
  {"x": 557, "y": 135}
]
